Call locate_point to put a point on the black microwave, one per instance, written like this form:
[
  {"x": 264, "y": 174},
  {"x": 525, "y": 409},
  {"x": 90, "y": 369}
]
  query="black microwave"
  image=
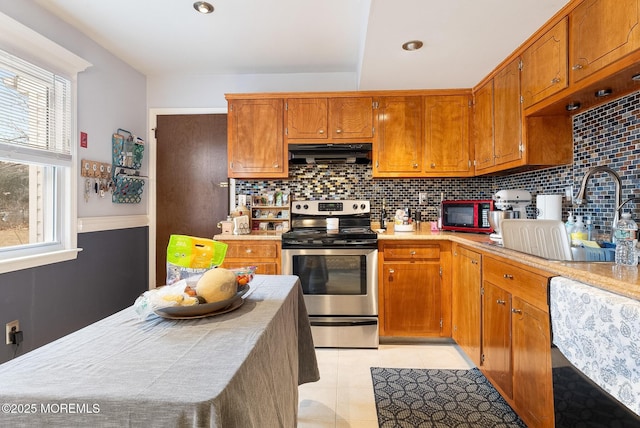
[{"x": 467, "y": 216}]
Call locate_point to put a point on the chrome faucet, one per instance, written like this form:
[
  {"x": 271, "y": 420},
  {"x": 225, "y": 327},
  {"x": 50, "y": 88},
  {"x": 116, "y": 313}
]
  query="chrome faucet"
[{"x": 581, "y": 198}]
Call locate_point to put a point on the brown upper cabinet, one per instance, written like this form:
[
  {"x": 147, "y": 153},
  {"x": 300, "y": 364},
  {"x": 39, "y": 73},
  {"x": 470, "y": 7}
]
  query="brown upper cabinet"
[
  {"x": 506, "y": 140},
  {"x": 601, "y": 32},
  {"x": 398, "y": 147},
  {"x": 255, "y": 138},
  {"x": 544, "y": 65},
  {"x": 422, "y": 136},
  {"x": 447, "y": 150},
  {"x": 498, "y": 121},
  {"x": 341, "y": 119}
]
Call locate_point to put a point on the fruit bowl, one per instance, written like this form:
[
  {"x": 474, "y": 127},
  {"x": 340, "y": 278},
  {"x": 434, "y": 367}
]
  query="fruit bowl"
[{"x": 244, "y": 275}]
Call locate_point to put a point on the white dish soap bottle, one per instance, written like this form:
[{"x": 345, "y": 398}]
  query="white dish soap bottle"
[{"x": 569, "y": 224}]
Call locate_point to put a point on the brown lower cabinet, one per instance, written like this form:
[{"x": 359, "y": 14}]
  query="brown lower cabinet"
[
  {"x": 264, "y": 254},
  {"x": 516, "y": 338},
  {"x": 414, "y": 288},
  {"x": 500, "y": 319},
  {"x": 466, "y": 289}
]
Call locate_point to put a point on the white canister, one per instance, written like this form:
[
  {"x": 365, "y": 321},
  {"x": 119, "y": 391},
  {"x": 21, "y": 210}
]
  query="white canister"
[
  {"x": 549, "y": 207},
  {"x": 333, "y": 224}
]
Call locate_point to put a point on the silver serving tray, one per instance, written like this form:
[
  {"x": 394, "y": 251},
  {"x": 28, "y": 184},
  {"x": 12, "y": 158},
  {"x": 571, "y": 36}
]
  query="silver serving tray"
[{"x": 202, "y": 308}]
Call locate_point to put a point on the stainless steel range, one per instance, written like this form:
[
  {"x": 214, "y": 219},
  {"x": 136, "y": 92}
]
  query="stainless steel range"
[{"x": 333, "y": 251}]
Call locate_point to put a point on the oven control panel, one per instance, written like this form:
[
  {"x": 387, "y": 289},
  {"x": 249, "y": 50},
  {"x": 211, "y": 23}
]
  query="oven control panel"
[{"x": 343, "y": 207}]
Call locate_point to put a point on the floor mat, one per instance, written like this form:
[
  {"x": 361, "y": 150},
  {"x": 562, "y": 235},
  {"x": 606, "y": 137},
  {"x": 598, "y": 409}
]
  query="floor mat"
[{"x": 439, "y": 398}]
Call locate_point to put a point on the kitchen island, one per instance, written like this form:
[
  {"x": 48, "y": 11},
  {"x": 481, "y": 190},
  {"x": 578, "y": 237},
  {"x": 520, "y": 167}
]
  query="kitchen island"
[{"x": 237, "y": 369}]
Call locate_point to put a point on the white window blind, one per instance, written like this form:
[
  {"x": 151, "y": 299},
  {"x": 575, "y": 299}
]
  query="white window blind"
[{"x": 35, "y": 113}]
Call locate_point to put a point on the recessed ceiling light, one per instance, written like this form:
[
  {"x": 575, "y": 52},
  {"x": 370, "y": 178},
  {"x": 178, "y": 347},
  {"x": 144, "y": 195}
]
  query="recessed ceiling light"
[
  {"x": 412, "y": 45},
  {"x": 203, "y": 7}
]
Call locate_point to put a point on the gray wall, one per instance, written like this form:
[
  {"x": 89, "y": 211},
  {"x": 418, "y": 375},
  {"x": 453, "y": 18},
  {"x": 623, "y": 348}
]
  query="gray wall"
[
  {"x": 54, "y": 300},
  {"x": 112, "y": 269}
]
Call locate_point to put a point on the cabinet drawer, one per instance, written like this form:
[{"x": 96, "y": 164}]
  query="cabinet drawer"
[
  {"x": 253, "y": 250},
  {"x": 411, "y": 252},
  {"x": 520, "y": 282}
]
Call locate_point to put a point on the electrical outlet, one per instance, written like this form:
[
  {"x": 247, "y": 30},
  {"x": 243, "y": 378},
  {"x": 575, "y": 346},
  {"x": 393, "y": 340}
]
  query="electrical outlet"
[
  {"x": 422, "y": 198},
  {"x": 12, "y": 326}
]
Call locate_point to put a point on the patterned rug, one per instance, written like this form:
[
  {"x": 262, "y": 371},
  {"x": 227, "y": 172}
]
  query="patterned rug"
[{"x": 439, "y": 398}]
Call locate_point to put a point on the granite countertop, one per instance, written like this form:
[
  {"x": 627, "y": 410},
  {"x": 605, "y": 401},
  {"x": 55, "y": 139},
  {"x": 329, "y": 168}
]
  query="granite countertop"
[{"x": 604, "y": 275}]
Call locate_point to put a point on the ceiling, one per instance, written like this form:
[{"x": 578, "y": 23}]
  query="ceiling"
[{"x": 463, "y": 39}]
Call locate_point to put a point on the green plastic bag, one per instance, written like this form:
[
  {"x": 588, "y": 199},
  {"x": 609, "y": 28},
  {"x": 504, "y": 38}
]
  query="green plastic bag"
[{"x": 188, "y": 257}]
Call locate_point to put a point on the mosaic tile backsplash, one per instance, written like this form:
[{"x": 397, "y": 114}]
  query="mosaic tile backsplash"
[{"x": 606, "y": 135}]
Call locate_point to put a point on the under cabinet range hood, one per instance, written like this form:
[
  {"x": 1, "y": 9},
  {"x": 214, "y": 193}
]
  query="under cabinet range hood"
[{"x": 330, "y": 153}]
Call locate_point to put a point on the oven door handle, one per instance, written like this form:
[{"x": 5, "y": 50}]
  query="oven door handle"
[{"x": 343, "y": 323}]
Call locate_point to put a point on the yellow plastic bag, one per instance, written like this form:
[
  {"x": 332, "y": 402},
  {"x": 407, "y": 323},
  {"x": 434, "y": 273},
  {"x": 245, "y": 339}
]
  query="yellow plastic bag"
[{"x": 188, "y": 257}]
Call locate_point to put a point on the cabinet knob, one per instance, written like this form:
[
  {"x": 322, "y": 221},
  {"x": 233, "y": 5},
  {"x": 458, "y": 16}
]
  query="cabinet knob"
[
  {"x": 516, "y": 311},
  {"x": 507, "y": 276},
  {"x": 413, "y": 253},
  {"x": 321, "y": 131},
  {"x": 433, "y": 165},
  {"x": 392, "y": 271},
  {"x": 577, "y": 67},
  {"x": 249, "y": 251},
  {"x": 555, "y": 80},
  {"x": 415, "y": 165},
  {"x": 276, "y": 165},
  {"x": 501, "y": 302},
  {"x": 474, "y": 262},
  {"x": 338, "y": 131}
]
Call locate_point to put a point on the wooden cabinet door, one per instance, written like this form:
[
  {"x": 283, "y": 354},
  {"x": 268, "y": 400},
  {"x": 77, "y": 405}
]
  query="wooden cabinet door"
[
  {"x": 466, "y": 300},
  {"x": 601, "y": 32},
  {"x": 507, "y": 114},
  {"x": 446, "y": 130},
  {"x": 532, "y": 377},
  {"x": 306, "y": 118},
  {"x": 483, "y": 134},
  {"x": 496, "y": 337},
  {"x": 412, "y": 299},
  {"x": 544, "y": 65},
  {"x": 256, "y": 140},
  {"x": 351, "y": 117},
  {"x": 398, "y": 148}
]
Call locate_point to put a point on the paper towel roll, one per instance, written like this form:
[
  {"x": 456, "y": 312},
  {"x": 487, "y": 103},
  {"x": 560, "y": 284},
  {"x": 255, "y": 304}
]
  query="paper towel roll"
[{"x": 549, "y": 207}]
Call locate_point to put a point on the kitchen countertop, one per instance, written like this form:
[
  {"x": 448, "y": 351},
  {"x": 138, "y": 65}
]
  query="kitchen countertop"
[
  {"x": 253, "y": 236},
  {"x": 604, "y": 275}
]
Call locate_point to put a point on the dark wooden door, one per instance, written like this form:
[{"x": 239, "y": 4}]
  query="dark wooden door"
[{"x": 191, "y": 165}]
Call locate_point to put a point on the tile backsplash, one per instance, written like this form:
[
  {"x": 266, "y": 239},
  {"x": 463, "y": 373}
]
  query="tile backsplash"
[{"x": 605, "y": 135}]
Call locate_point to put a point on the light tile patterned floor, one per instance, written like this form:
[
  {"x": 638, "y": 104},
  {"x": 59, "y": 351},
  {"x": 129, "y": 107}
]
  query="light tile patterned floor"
[{"x": 343, "y": 397}]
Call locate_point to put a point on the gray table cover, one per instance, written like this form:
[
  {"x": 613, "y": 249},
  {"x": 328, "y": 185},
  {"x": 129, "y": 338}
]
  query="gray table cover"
[{"x": 240, "y": 369}]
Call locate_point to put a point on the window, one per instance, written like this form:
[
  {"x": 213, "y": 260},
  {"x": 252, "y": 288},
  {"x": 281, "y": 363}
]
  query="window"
[{"x": 37, "y": 156}]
